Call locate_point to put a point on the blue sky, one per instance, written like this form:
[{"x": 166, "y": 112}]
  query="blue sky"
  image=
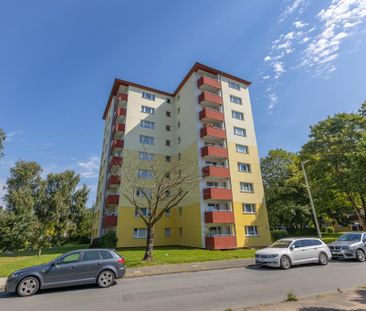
[{"x": 58, "y": 60}]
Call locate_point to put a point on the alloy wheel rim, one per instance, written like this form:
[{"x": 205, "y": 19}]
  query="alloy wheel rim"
[
  {"x": 28, "y": 287},
  {"x": 323, "y": 258},
  {"x": 106, "y": 278},
  {"x": 285, "y": 262},
  {"x": 361, "y": 255}
]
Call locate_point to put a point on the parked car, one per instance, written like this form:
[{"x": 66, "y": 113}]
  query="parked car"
[
  {"x": 101, "y": 266},
  {"x": 351, "y": 245},
  {"x": 287, "y": 252}
]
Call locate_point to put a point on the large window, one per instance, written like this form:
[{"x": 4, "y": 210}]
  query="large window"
[
  {"x": 91, "y": 255},
  {"x": 142, "y": 211},
  {"x": 249, "y": 208},
  {"x": 237, "y": 115},
  {"x": 244, "y": 167},
  {"x": 234, "y": 85},
  {"x": 235, "y": 99},
  {"x": 148, "y": 110},
  {"x": 147, "y": 140},
  {"x": 246, "y": 187},
  {"x": 251, "y": 230},
  {"x": 147, "y": 174},
  {"x": 146, "y": 156},
  {"x": 143, "y": 193},
  {"x": 242, "y": 148},
  {"x": 148, "y": 96},
  {"x": 240, "y": 131},
  {"x": 140, "y": 233},
  {"x": 147, "y": 124},
  {"x": 168, "y": 232},
  {"x": 74, "y": 257}
]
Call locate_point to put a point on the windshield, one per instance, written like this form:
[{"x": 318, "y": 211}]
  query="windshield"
[
  {"x": 350, "y": 237},
  {"x": 281, "y": 244}
]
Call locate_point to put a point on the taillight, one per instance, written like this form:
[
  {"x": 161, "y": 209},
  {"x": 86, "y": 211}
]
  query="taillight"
[{"x": 121, "y": 260}]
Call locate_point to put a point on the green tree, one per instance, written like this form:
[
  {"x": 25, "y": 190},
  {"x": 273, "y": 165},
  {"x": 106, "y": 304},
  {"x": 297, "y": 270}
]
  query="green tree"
[
  {"x": 286, "y": 198},
  {"x": 2, "y": 139}
]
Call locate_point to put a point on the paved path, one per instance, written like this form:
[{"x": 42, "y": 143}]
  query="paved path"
[{"x": 207, "y": 290}]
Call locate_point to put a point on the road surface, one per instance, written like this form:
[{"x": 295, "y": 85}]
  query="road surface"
[{"x": 208, "y": 290}]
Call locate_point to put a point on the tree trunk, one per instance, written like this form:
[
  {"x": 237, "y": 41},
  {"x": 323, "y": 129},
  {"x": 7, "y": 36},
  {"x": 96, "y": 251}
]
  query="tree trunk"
[
  {"x": 361, "y": 218},
  {"x": 363, "y": 202},
  {"x": 39, "y": 251},
  {"x": 149, "y": 244}
]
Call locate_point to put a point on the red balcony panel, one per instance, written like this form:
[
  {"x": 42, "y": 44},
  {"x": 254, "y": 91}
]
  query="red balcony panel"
[
  {"x": 112, "y": 199},
  {"x": 213, "y": 132},
  {"x": 217, "y": 194},
  {"x": 122, "y": 97},
  {"x": 219, "y": 217},
  {"x": 214, "y": 151},
  {"x": 117, "y": 144},
  {"x": 221, "y": 242},
  {"x": 109, "y": 221},
  {"x": 209, "y": 83},
  {"x": 115, "y": 161},
  {"x": 207, "y": 97},
  {"x": 209, "y": 114},
  {"x": 113, "y": 181},
  {"x": 216, "y": 171},
  {"x": 120, "y": 112},
  {"x": 119, "y": 127}
]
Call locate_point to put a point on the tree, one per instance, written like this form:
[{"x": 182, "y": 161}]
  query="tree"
[
  {"x": 161, "y": 187},
  {"x": 2, "y": 139},
  {"x": 286, "y": 197},
  {"x": 337, "y": 155}
]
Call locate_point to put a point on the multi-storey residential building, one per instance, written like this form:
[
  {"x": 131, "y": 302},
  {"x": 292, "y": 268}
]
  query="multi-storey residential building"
[{"x": 208, "y": 120}]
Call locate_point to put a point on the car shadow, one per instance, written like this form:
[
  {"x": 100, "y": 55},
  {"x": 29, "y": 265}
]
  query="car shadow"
[
  {"x": 266, "y": 268},
  {"x": 5, "y": 295}
]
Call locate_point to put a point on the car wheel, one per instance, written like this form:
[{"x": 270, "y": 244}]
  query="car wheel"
[
  {"x": 323, "y": 259},
  {"x": 360, "y": 255},
  {"x": 105, "y": 278},
  {"x": 285, "y": 263},
  {"x": 28, "y": 286}
]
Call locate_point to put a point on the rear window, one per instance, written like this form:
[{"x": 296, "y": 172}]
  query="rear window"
[
  {"x": 91, "y": 255},
  {"x": 106, "y": 255}
]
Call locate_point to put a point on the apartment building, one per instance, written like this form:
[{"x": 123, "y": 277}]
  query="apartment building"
[{"x": 208, "y": 121}]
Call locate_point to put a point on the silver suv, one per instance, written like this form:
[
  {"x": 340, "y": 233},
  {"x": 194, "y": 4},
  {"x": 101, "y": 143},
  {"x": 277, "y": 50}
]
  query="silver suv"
[{"x": 351, "y": 245}]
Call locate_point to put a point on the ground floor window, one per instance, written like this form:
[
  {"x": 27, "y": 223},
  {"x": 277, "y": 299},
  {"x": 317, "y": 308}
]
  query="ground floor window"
[
  {"x": 251, "y": 230},
  {"x": 139, "y": 233},
  {"x": 168, "y": 232}
]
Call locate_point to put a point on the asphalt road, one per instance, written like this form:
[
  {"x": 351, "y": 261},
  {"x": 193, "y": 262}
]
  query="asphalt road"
[{"x": 209, "y": 290}]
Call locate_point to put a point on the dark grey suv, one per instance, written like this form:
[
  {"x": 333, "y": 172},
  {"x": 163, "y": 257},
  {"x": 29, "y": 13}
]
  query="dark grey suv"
[
  {"x": 101, "y": 266},
  {"x": 349, "y": 245}
]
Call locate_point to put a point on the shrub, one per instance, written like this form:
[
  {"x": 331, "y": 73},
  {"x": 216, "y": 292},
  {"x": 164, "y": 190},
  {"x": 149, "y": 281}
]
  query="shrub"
[
  {"x": 278, "y": 234},
  {"x": 291, "y": 296},
  {"x": 108, "y": 240},
  {"x": 330, "y": 230}
]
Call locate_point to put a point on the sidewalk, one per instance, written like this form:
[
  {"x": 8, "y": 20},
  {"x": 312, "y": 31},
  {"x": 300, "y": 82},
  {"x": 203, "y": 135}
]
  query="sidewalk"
[{"x": 178, "y": 268}]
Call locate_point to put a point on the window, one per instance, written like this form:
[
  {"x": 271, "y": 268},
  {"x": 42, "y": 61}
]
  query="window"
[
  {"x": 74, "y": 257},
  {"x": 180, "y": 211},
  {"x": 140, "y": 233},
  {"x": 179, "y": 156},
  {"x": 147, "y": 124},
  {"x": 180, "y": 232},
  {"x": 179, "y": 140},
  {"x": 167, "y": 113},
  {"x": 244, "y": 167},
  {"x": 178, "y": 110},
  {"x": 178, "y": 126},
  {"x": 147, "y": 109},
  {"x": 235, "y": 100},
  {"x": 167, "y": 142},
  {"x": 142, "y": 193},
  {"x": 147, "y": 174},
  {"x": 178, "y": 97},
  {"x": 144, "y": 211},
  {"x": 237, "y": 115},
  {"x": 167, "y": 194},
  {"x": 249, "y": 208},
  {"x": 91, "y": 255},
  {"x": 298, "y": 244},
  {"x": 246, "y": 187},
  {"x": 106, "y": 255},
  {"x": 167, "y": 213},
  {"x": 242, "y": 148},
  {"x": 146, "y": 140},
  {"x": 168, "y": 101},
  {"x": 168, "y": 232},
  {"x": 167, "y": 127},
  {"x": 146, "y": 156},
  {"x": 234, "y": 85},
  {"x": 148, "y": 96},
  {"x": 251, "y": 231},
  {"x": 167, "y": 158},
  {"x": 213, "y": 206},
  {"x": 240, "y": 131}
]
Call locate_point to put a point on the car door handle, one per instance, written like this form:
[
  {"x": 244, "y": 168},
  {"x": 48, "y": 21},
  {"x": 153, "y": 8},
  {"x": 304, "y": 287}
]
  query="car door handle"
[{"x": 73, "y": 267}]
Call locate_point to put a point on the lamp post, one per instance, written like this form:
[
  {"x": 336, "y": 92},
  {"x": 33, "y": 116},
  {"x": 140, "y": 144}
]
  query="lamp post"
[{"x": 311, "y": 199}]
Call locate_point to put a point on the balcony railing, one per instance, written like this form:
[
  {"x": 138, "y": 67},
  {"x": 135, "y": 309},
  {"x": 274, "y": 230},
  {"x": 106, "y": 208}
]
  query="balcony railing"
[
  {"x": 213, "y": 133},
  {"x": 117, "y": 145},
  {"x": 221, "y": 242},
  {"x": 214, "y": 152},
  {"x": 113, "y": 181},
  {"x": 219, "y": 217},
  {"x": 216, "y": 171},
  {"x": 210, "y": 99},
  {"x": 109, "y": 221},
  {"x": 115, "y": 162},
  {"x": 216, "y": 193},
  {"x": 122, "y": 97},
  {"x": 118, "y": 130},
  {"x": 120, "y": 113},
  {"x": 211, "y": 115},
  {"x": 208, "y": 84},
  {"x": 112, "y": 199}
]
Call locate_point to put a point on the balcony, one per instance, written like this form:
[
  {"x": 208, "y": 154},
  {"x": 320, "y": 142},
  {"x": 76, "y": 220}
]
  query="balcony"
[
  {"x": 212, "y": 133},
  {"x": 120, "y": 114},
  {"x": 211, "y": 115},
  {"x": 207, "y": 99},
  {"x": 109, "y": 221},
  {"x": 113, "y": 181},
  {"x": 217, "y": 194},
  {"x": 117, "y": 145},
  {"x": 118, "y": 130},
  {"x": 111, "y": 200},
  {"x": 219, "y": 217},
  {"x": 216, "y": 171},
  {"x": 221, "y": 242},
  {"x": 214, "y": 152},
  {"x": 208, "y": 84},
  {"x": 122, "y": 97},
  {"x": 115, "y": 162}
]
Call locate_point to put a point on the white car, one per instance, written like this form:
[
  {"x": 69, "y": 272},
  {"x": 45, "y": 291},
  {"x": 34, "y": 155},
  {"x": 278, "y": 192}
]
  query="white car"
[{"x": 285, "y": 253}]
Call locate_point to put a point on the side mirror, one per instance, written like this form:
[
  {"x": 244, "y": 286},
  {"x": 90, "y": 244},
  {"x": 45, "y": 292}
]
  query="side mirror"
[{"x": 292, "y": 247}]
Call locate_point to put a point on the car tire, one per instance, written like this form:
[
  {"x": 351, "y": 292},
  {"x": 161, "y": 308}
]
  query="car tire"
[
  {"x": 28, "y": 286},
  {"x": 285, "y": 262},
  {"x": 360, "y": 255},
  {"x": 105, "y": 278},
  {"x": 323, "y": 259}
]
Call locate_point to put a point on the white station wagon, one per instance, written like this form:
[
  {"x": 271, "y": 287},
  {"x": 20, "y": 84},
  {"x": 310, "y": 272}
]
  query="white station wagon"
[{"x": 285, "y": 253}]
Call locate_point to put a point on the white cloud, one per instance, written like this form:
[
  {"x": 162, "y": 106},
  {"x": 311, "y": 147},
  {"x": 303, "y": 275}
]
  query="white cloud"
[
  {"x": 89, "y": 168},
  {"x": 297, "y": 5},
  {"x": 273, "y": 100},
  {"x": 300, "y": 24},
  {"x": 266, "y": 77},
  {"x": 267, "y": 58},
  {"x": 10, "y": 135}
]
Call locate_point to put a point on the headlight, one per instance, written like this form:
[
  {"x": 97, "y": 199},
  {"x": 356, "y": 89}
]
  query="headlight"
[{"x": 272, "y": 256}]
